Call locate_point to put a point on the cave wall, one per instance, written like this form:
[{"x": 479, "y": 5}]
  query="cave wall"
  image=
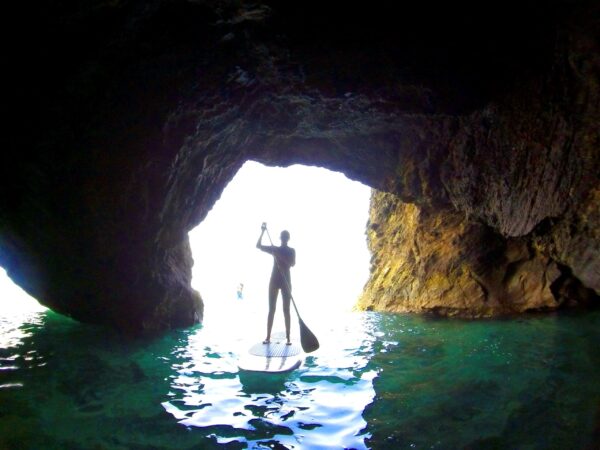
[
  {"x": 439, "y": 261},
  {"x": 522, "y": 176},
  {"x": 129, "y": 118}
]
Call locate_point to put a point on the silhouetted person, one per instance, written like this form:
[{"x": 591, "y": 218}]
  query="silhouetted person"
[{"x": 284, "y": 257}]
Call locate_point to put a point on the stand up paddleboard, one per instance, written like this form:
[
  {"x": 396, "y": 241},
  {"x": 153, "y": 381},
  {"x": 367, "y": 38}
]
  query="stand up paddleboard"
[{"x": 275, "y": 357}]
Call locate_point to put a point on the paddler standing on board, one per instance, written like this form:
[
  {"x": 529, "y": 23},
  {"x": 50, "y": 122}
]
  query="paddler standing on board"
[{"x": 284, "y": 257}]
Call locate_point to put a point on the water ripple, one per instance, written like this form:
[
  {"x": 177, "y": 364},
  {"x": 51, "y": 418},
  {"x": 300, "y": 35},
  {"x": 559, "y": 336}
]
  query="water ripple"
[{"x": 378, "y": 381}]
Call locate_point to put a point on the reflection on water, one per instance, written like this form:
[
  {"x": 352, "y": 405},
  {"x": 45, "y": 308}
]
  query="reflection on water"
[
  {"x": 14, "y": 328},
  {"x": 318, "y": 406},
  {"x": 378, "y": 381}
]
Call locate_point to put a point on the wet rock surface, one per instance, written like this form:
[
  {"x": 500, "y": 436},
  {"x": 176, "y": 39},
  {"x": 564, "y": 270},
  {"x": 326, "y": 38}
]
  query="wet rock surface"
[{"x": 128, "y": 119}]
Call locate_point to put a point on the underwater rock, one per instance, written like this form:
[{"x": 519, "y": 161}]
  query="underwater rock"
[{"x": 129, "y": 118}]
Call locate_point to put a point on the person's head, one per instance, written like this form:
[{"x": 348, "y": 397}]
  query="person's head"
[{"x": 285, "y": 236}]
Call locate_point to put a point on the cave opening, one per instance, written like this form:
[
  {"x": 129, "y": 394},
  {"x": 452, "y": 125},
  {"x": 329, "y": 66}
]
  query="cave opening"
[
  {"x": 326, "y": 215},
  {"x": 16, "y": 306}
]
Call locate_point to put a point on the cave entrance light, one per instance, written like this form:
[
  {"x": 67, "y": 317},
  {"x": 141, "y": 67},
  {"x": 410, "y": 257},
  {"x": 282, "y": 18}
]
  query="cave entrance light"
[
  {"x": 14, "y": 300},
  {"x": 326, "y": 215},
  {"x": 16, "y": 309}
]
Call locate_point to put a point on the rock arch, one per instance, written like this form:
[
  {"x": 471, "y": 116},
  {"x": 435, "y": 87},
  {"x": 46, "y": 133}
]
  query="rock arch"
[{"x": 147, "y": 110}]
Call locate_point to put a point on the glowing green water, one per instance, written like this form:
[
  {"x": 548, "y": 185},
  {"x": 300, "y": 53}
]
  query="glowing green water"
[{"x": 379, "y": 381}]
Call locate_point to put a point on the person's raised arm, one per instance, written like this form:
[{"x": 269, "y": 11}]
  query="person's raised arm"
[{"x": 259, "y": 245}]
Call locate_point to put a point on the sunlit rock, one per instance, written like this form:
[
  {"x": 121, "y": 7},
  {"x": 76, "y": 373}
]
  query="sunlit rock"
[{"x": 439, "y": 261}]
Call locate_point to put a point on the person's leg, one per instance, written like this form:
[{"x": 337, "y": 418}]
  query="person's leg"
[
  {"x": 285, "y": 294},
  {"x": 272, "y": 306}
]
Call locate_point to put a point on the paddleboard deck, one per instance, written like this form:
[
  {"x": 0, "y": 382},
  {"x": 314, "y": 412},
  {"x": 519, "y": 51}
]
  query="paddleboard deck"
[{"x": 275, "y": 357}]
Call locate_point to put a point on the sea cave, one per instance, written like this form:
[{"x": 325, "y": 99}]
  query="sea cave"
[
  {"x": 478, "y": 128},
  {"x": 475, "y": 125}
]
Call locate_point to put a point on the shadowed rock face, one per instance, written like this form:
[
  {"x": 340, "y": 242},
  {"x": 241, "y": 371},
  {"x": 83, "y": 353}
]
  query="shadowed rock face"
[{"x": 130, "y": 117}]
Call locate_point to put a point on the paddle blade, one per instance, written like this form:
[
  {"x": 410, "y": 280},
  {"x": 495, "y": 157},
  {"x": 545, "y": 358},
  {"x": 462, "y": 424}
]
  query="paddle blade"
[{"x": 308, "y": 340}]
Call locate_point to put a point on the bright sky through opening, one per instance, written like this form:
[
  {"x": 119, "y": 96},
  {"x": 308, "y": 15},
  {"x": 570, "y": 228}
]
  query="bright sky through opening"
[
  {"x": 326, "y": 215},
  {"x": 13, "y": 299}
]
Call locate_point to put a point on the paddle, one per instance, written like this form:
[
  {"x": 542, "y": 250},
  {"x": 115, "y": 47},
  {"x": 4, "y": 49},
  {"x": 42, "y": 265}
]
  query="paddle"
[{"x": 308, "y": 340}]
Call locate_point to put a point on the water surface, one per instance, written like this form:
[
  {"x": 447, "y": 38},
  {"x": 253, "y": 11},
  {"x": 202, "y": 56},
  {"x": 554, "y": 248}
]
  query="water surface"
[{"x": 379, "y": 381}]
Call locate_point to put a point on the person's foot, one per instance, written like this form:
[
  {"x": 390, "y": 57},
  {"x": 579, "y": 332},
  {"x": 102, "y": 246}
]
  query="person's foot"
[
  {"x": 288, "y": 343},
  {"x": 266, "y": 341}
]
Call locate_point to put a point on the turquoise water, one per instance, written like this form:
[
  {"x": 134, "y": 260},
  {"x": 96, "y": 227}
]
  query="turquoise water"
[{"x": 379, "y": 381}]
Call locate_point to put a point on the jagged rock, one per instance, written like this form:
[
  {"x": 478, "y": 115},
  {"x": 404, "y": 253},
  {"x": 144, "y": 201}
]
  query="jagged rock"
[
  {"x": 575, "y": 241},
  {"x": 128, "y": 118},
  {"x": 439, "y": 261}
]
